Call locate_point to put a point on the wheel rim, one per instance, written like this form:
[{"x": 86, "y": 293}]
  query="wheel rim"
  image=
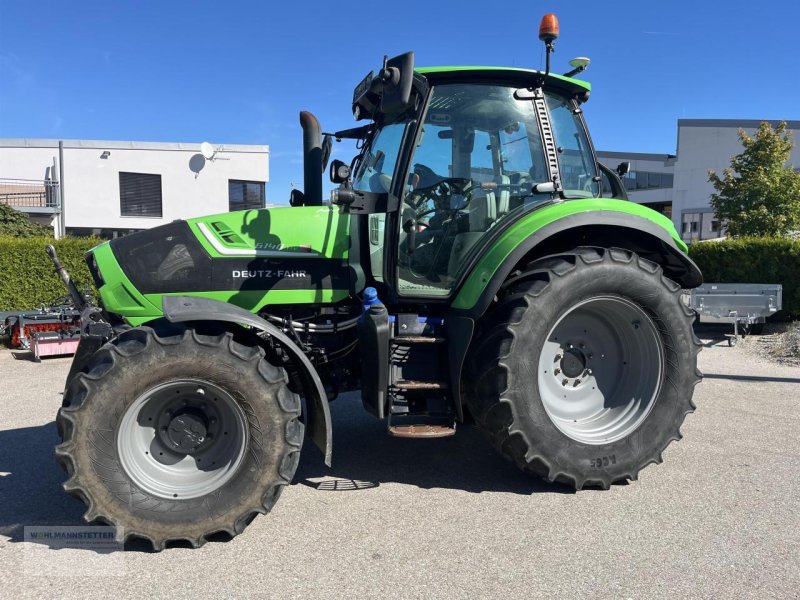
[
  {"x": 601, "y": 369},
  {"x": 182, "y": 439}
]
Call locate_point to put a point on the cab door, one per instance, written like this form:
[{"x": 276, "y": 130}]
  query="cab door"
[{"x": 477, "y": 155}]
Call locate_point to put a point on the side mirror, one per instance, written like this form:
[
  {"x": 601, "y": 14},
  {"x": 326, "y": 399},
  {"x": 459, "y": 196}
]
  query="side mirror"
[
  {"x": 339, "y": 172},
  {"x": 623, "y": 168},
  {"x": 327, "y": 145},
  {"x": 296, "y": 198},
  {"x": 398, "y": 77}
]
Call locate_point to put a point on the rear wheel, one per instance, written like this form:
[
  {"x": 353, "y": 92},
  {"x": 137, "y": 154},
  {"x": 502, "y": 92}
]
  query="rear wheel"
[
  {"x": 586, "y": 368},
  {"x": 179, "y": 435}
]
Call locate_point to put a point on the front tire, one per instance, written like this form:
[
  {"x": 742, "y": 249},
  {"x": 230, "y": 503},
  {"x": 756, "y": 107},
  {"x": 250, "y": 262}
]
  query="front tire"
[
  {"x": 179, "y": 435},
  {"x": 586, "y": 368}
]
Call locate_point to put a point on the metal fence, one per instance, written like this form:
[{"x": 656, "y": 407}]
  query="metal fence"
[{"x": 24, "y": 193}]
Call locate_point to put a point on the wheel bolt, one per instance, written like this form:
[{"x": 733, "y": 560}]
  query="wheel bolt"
[
  {"x": 565, "y": 382},
  {"x": 577, "y": 383},
  {"x": 557, "y": 371},
  {"x": 557, "y": 358}
]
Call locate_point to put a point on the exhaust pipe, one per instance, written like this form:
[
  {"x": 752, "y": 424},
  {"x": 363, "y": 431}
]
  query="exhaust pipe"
[
  {"x": 78, "y": 299},
  {"x": 312, "y": 159}
]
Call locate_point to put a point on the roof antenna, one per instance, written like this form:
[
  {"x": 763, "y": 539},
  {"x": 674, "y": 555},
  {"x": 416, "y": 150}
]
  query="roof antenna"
[
  {"x": 579, "y": 65},
  {"x": 548, "y": 32}
]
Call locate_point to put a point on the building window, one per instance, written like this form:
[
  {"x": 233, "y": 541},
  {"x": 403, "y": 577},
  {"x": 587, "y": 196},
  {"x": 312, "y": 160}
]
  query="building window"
[
  {"x": 694, "y": 226},
  {"x": 140, "y": 195},
  {"x": 647, "y": 180},
  {"x": 245, "y": 195},
  {"x": 106, "y": 234},
  {"x": 714, "y": 226}
]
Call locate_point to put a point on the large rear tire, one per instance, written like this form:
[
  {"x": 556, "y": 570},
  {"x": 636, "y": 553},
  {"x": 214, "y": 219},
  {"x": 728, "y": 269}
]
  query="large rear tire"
[
  {"x": 179, "y": 435},
  {"x": 586, "y": 368}
]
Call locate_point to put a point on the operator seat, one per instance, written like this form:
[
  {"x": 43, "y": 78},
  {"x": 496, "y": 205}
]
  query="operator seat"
[
  {"x": 482, "y": 209},
  {"x": 503, "y": 194}
]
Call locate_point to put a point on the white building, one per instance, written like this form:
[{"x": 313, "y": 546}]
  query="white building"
[
  {"x": 111, "y": 188},
  {"x": 703, "y": 144},
  {"x": 650, "y": 178}
]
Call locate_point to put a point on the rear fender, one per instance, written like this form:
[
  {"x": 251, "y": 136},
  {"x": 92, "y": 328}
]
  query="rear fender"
[
  {"x": 179, "y": 309},
  {"x": 591, "y": 228}
]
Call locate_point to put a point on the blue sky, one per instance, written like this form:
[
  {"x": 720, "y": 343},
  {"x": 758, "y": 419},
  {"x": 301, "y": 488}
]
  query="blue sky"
[{"x": 238, "y": 72}]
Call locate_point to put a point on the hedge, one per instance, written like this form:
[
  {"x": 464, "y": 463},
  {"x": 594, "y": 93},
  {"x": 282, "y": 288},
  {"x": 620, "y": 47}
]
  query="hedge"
[
  {"x": 753, "y": 260},
  {"x": 27, "y": 277}
]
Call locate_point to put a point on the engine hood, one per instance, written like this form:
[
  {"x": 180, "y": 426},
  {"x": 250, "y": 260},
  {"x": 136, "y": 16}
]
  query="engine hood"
[{"x": 249, "y": 258}]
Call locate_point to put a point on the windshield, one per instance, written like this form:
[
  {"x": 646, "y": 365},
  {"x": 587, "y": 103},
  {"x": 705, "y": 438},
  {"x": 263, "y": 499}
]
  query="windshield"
[{"x": 376, "y": 168}]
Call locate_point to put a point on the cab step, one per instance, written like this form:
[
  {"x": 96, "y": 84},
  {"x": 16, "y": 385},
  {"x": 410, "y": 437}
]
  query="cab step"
[
  {"x": 420, "y": 385},
  {"x": 418, "y": 339},
  {"x": 422, "y": 430}
]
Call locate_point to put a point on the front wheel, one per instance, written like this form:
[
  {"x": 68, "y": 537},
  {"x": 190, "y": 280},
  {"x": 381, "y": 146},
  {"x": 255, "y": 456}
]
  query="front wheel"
[
  {"x": 179, "y": 435},
  {"x": 586, "y": 368}
]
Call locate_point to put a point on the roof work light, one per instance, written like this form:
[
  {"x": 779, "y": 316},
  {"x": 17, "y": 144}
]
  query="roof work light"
[{"x": 548, "y": 28}]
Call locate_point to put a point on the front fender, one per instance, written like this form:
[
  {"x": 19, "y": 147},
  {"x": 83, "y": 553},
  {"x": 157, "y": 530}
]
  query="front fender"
[{"x": 318, "y": 420}]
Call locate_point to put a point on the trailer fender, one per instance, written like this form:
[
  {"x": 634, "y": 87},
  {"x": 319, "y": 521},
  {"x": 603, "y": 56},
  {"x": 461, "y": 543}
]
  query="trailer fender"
[{"x": 179, "y": 309}]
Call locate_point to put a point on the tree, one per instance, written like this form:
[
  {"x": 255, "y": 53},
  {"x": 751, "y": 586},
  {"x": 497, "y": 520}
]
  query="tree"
[
  {"x": 759, "y": 194},
  {"x": 17, "y": 224}
]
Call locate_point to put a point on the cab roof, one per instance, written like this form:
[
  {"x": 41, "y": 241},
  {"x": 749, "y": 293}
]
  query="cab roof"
[{"x": 523, "y": 76}]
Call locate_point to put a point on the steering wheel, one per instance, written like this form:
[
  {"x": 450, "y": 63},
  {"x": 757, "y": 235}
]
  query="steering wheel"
[
  {"x": 423, "y": 261},
  {"x": 440, "y": 192}
]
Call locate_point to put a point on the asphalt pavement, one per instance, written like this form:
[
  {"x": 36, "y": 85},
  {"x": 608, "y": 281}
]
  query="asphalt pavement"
[{"x": 449, "y": 518}]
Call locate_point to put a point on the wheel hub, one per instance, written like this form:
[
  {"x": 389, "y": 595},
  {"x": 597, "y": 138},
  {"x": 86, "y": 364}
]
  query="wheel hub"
[
  {"x": 573, "y": 363},
  {"x": 187, "y": 431}
]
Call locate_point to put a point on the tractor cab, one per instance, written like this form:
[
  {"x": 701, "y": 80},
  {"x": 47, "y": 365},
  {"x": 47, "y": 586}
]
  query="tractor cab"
[
  {"x": 476, "y": 148},
  {"x": 451, "y": 156}
]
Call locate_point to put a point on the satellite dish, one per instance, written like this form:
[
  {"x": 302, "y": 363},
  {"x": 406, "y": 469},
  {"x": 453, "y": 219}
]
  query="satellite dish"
[{"x": 207, "y": 150}]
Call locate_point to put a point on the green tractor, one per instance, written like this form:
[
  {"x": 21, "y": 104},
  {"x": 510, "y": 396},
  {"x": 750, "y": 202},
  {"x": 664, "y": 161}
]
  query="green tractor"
[{"x": 468, "y": 269}]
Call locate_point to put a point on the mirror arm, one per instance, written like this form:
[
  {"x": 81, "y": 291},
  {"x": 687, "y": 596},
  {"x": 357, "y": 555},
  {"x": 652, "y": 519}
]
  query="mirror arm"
[{"x": 364, "y": 203}]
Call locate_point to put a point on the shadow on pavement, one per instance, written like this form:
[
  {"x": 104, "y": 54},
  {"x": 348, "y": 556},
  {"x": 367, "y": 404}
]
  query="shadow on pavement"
[
  {"x": 365, "y": 456},
  {"x": 25, "y": 355},
  {"x": 754, "y": 378},
  {"x": 712, "y": 334},
  {"x": 30, "y": 482}
]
